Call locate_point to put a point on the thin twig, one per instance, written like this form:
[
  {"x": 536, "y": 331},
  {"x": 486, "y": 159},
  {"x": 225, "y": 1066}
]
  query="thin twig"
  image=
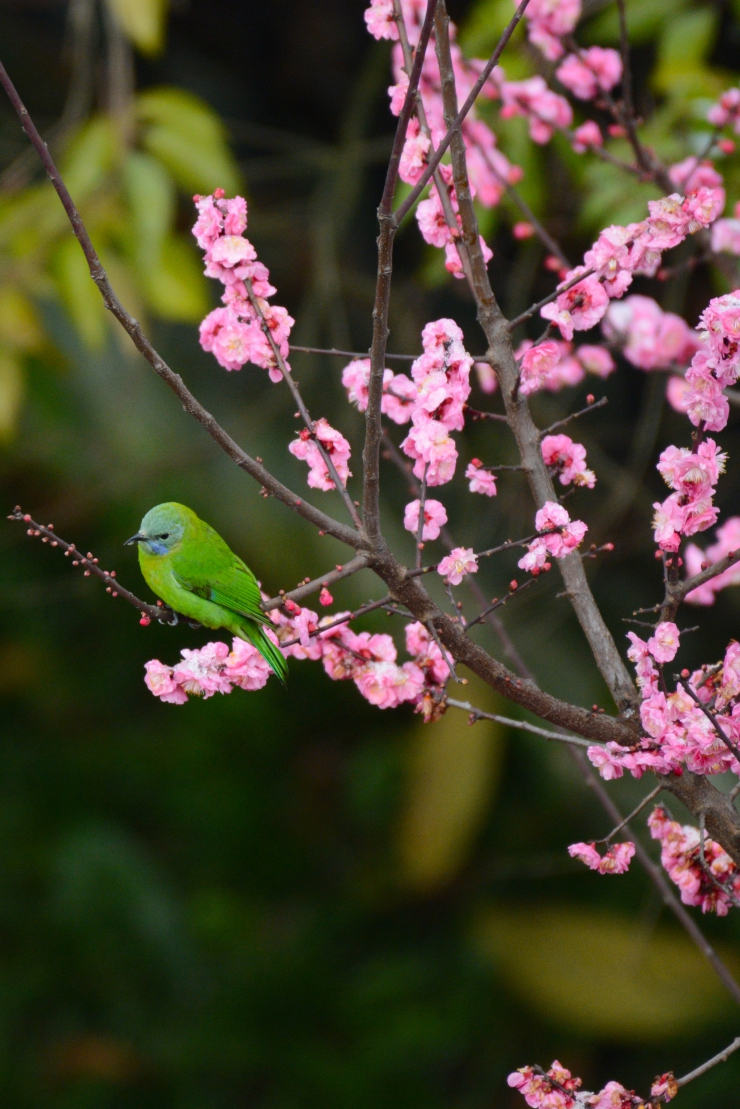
[
  {"x": 309, "y": 587},
  {"x": 574, "y": 416},
  {"x": 388, "y": 227},
  {"x": 522, "y": 725},
  {"x": 711, "y": 718},
  {"x": 448, "y": 661},
  {"x": 635, "y": 812},
  {"x": 722, "y": 1057},
  {"x": 351, "y": 353},
  {"x": 500, "y": 602},
  {"x": 161, "y": 612},
  {"x": 420, "y": 525}
]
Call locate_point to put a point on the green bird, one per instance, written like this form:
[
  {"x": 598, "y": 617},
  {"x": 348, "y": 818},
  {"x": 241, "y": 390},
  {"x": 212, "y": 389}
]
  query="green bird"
[{"x": 190, "y": 567}]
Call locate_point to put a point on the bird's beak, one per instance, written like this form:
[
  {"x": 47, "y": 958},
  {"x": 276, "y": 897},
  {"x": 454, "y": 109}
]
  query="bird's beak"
[{"x": 138, "y": 538}]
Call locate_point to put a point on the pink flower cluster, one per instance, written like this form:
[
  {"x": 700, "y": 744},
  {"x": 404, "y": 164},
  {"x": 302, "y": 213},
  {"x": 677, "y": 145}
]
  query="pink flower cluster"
[
  {"x": 367, "y": 659},
  {"x": 680, "y": 854},
  {"x": 649, "y": 338},
  {"x": 696, "y": 560},
  {"x": 489, "y": 170},
  {"x": 726, "y": 110},
  {"x": 540, "y": 1093},
  {"x": 562, "y": 535},
  {"x": 545, "y": 111},
  {"x": 234, "y": 334},
  {"x": 678, "y": 734},
  {"x": 554, "y": 364},
  {"x": 559, "y": 1089},
  {"x": 548, "y": 21},
  {"x": 621, "y": 252},
  {"x": 595, "y": 70},
  {"x": 399, "y": 391},
  {"x": 616, "y": 859},
  {"x": 689, "y": 508},
  {"x": 211, "y": 669},
  {"x": 567, "y": 459},
  {"x": 442, "y": 380},
  {"x": 305, "y": 447}
]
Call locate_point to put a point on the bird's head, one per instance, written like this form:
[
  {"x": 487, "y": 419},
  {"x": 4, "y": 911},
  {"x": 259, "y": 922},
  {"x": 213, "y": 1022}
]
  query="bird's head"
[{"x": 162, "y": 529}]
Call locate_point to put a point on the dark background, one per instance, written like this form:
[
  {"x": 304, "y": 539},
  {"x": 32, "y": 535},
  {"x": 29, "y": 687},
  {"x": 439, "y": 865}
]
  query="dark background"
[{"x": 289, "y": 898}]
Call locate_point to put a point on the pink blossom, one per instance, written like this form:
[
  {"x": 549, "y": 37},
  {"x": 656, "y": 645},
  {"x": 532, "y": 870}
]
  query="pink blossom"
[
  {"x": 537, "y": 362},
  {"x": 703, "y": 205},
  {"x": 246, "y": 667},
  {"x": 432, "y": 221},
  {"x": 652, "y": 339},
  {"x": 453, "y": 262},
  {"x": 720, "y": 322},
  {"x": 427, "y": 654},
  {"x": 399, "y": 397},
  {"x": 487, "y": 380},
  {"x": 613, "y": 1096},
  {"x": 564, "y": 535},
  {"x": 568, "y": 459},
  {"x": 522, "y": 230},
  {"x": 336, "y": 446},
  {"x": 678, "y": 393},
  {"x": 726, "y": 110},
  {"x": 544, "y": 110},
  {"x": 160, "y": 682},
  {"x": 580, "y": 307},
  {"x": 201, "y": 671},
  {"x": 664, "y": 643},
  {"x": 690, "y": 174},
  {"x": 414, "y": 155},
  {"x": 434, "y": 451},
  {"x": 588, "y": 134},
  {"x": 596, "y": 68},
  {"x": 616, "y": 860},
  {"x": 381, "y": 22},
  {"x": 703, "y": 398},
  {"x": 435, "y": 518},
  {"x": 595, "y": 360},
  {"x": 481, "y": 480},
  {"x": 459, "y": 562},
  {"x": 726, "y": 236},
  {"x": 728, "y": 541},
  {"x": 607, "y": 760},
  {"x": 548, "y": 21}
]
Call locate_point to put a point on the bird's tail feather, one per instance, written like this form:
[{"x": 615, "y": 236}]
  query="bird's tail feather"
[{"x": 272, "y": 654}]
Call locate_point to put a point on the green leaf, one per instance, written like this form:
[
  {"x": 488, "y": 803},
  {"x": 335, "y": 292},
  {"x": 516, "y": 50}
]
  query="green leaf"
[
  {"x": 188, "y": 138},
  {"x": 143, "y": 22},
  {"x": 644, "y": 19},
  {"x": 483, "y": 26},
  {"x": 601, "y": 975},
  {"x": 11, "y": 393},
  {"x": 453, "y": 772},
  {"x": 151, "y": 196},
  {"x": 19, "y": 325},
  {"x": 89, "y": 158},
  {"x": 78, "y": 293},
  {"x": 176, "y": 289}
]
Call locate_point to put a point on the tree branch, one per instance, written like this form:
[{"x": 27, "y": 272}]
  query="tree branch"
[
  {"x": 309, "y": 587},
  {"x": 131, "y": 326},
  {"x": 373, "y": 426},
  {"x": 496, "y": 329}
]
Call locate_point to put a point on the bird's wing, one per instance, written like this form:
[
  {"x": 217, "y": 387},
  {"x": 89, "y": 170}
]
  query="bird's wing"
[{"x": 234, "y": 587}]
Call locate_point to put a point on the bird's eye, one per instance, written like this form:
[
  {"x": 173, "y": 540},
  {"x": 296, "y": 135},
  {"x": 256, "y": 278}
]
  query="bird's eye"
[{"x": 165, "y": 535}]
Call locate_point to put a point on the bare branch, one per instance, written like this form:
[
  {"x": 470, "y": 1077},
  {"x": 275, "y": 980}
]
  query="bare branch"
[
  {"x": 676, "y": 592},
  {"x": 635, "y": 812},
  {"x": 574, "y": 416},
  {"x": 722, "y": 1057},
  {"x": 373, "y": 426},
  {"x": 351, "y": 353},
  {"x": 370, "y": 607},
  {"x": 89, "y": 564},
  {"x": 522, "y": 725}
]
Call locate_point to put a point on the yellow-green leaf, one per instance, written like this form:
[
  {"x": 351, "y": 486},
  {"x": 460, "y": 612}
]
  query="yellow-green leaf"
[
  {"x": 600, "y": 974},
  {"x": 78, "y": 292},
  {"x": 143, "y": 21},
  {"x": 188, "y": 138},
  {"x": 151, "y": 197},
  {"x": 11, "y": 393},
  {"x": 175, "y": 289},
  {"x": 453, "y": 771},
  {"x": 19, "y": 325}
]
